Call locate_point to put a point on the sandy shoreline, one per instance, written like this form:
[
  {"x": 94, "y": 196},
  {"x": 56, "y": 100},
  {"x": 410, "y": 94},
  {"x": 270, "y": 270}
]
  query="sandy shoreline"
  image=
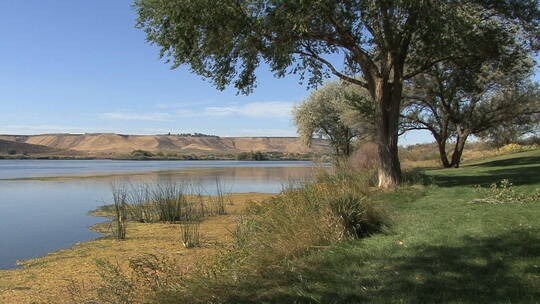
[{"x": 55, "y": 278}]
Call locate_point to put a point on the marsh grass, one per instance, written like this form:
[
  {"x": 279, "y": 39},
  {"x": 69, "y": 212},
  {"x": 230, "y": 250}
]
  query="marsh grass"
[
  {"x": 170, "y": 202},
  {"x": 120, "y": 198},
  {"x": 166, "y": 202},
  {"x": 190, "y": 234},
  {"x": 220, "y": 199},
  {"x": 116, "y": 287}
]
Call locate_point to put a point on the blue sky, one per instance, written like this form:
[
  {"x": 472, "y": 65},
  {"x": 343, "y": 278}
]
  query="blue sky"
[{"x": 81, "y": 66}]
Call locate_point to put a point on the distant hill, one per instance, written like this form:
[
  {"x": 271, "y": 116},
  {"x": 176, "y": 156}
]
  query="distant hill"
[
  {"x": 14, "y": 147},
  {"x": 107, "y": 143}
]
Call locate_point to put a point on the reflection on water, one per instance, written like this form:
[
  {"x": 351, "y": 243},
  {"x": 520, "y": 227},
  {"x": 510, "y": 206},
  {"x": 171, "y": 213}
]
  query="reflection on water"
[{"x": 37, "y": 217}]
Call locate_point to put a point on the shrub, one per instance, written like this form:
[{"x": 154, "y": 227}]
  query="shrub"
[
  {"x": 366, "y": 157},
  {"x": 141, "y": 154},
  {"x": 170, "y": 202},
  {"x": 514, "y": 148},
  {"x": 358, "y": 216}
]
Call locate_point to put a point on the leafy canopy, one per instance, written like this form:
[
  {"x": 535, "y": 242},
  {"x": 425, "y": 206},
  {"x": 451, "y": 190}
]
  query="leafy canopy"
[
  {"x": 338, "y": 112},
  {"x": 226, "y": 40}
]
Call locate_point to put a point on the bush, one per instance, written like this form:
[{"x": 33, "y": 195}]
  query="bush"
[
  {"x": 514, "y": 148},
  {"x": 141, "y": 154},
  {"x": 366, "y": 157},
  {"x": 252, "y": 156},
  {"x": 357, "y": 215}
]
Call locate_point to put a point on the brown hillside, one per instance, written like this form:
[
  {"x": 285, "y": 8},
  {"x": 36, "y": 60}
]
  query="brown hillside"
[
  {"x": 116, "y": 143},
  {"x": 7, "y": 146}
]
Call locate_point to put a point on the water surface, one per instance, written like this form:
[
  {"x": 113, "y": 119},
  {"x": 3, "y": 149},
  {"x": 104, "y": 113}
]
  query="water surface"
[{"x": 41, "y": 216}]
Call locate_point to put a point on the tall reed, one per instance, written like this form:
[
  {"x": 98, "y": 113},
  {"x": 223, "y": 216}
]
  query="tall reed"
[
  {"x": 170, "y": 202},
  {"x": 190, "y": 234},
  {"x": 120, "y": 198}
]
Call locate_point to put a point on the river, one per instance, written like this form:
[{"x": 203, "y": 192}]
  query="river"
[{"x": 44, "y": 204}]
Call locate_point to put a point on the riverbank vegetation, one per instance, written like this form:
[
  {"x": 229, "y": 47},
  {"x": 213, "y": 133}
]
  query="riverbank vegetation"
[
  {"x": 337, "y": 240},
  {"x": 442, "y": 236}
]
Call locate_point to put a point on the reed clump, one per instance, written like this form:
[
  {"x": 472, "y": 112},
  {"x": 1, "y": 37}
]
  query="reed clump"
[
  {"x": 120, "y": 198},
  {"x": 190, "y": 234},
  {"x": 184, "y": 203}
]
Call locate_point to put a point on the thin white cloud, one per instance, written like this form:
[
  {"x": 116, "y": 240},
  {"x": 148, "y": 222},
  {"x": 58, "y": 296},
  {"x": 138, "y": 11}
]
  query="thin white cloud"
[
  {"x": 262, "y": 109},
  {"x": 47, "y": 129},
  {"x": 41, "y": 129},
  {"x": 275, "y": 109},
  {"x": 138, "y": 116},
  {"x": 262, "y": 133},
  {"x": 268, "y": 109}
]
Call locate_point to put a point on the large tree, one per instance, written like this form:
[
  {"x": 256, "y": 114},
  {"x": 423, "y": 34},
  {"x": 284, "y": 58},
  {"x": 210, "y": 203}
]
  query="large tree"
[{"x": 226, "y": 40}]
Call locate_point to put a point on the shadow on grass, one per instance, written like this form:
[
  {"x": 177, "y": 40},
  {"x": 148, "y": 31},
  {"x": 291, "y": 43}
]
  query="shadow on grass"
[
  {"x": 516, "y": 161},
  {"x": 486, "y": 173},
  {"x": 518, "y": 176},
  {"x": 499, "y": 269}
]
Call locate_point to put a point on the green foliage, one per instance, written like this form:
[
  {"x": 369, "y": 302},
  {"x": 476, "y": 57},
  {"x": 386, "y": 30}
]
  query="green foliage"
[
  {"x": 229, "y": 41},
  {"x": 456, "y": 100},
  {"x": 338, "y": 112},
  {"x": 384, "y": 42},
  {"x": 12, "y": 151},
  {"x": 141, "y": 154},
  {"x": 252, "y": 156},
  {"x": 358, "y": 215}
]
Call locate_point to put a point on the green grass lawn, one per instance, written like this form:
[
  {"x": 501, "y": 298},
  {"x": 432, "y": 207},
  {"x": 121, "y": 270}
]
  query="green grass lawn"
[{"x": 441, "y": 249}]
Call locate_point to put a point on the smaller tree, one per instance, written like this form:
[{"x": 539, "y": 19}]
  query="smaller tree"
[
  {"x": 334, "y": 111},
  {"x": 457, "y": 101}
]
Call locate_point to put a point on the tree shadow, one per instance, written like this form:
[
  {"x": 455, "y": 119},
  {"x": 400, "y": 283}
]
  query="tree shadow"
[
  {"x": 478, "y": 270},
  {"x": 518, "y": 176},
  {"x": 510, "y": 162}
]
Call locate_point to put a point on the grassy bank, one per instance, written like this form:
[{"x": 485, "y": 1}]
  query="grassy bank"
[{"x": 442, "y": 248}]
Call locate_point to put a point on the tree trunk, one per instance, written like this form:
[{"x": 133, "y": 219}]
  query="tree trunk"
[
  {"x": 458, "y": 149},
  {"x": 441, "y": 143},
  {"x": 387, "y": 103}
]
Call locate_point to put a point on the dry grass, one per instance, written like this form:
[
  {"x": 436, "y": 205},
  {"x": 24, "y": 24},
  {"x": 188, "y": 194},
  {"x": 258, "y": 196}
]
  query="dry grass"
[{"x": 68, "y": 275}]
